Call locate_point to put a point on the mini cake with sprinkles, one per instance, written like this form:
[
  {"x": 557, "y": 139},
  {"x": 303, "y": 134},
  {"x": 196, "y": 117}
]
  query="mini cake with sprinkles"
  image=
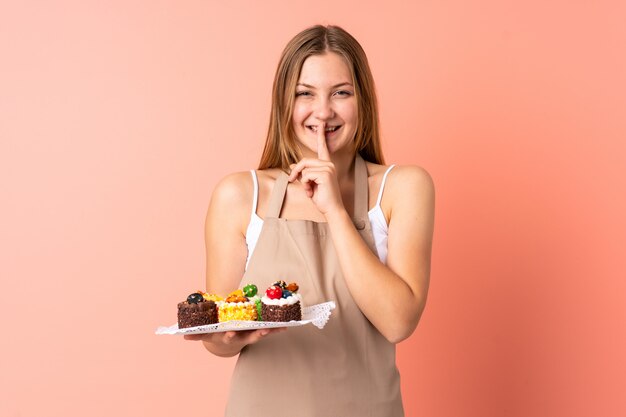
[
  {"x": 198, "y": 310},
  {"x": 281, "y": 302},
  {"x": 239, "y": 305}
]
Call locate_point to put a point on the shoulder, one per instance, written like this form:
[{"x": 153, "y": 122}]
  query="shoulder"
[
  {"x": 410, "y": 185},
  {"x": 402, "y": 177},
  {"x": 231, "y": 202},
  {"x": 411, "y": 176},
  {"x": 235, "y": 188},
  {"x": 410, "y": 205}
]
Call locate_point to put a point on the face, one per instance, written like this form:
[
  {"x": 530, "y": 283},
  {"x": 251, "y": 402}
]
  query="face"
[{"x": 325, "y": 93}]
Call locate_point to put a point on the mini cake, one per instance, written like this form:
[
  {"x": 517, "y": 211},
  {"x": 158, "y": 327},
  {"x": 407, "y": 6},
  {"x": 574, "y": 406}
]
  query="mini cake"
[
  {"x": 196, "y": 311},
  {"x": 281, "y": 302},
  {"x": 250, "y": 291},
  {"x": 239, "y": 305}
]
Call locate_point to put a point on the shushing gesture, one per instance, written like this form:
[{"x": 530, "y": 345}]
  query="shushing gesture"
[{"x": 318, "y": 176}]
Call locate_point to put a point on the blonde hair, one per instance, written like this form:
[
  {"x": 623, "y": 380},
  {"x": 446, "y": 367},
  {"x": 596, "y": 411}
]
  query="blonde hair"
[{"x": 281, "y": 149}]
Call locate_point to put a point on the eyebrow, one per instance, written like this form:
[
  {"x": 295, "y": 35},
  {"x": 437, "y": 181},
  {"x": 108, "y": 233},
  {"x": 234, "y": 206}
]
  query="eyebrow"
[{"x": 334, "y": 86}]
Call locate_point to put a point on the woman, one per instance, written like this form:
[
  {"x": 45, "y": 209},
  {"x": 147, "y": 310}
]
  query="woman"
[{"x": 315, "y": 212}]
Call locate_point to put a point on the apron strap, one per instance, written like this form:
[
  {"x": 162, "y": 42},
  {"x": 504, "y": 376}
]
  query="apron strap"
[
  {"x": 278, "y": 195},
  {"x": 361, "y": 192},
  {"x": 361, "y": 218}
]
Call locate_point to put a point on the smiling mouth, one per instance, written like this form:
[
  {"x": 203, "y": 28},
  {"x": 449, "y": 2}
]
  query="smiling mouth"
[{"x": 329, "y": 129}]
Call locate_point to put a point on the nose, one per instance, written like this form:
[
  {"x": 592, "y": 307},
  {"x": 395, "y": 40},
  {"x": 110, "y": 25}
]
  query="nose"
[{"x": 324, "y": 110}]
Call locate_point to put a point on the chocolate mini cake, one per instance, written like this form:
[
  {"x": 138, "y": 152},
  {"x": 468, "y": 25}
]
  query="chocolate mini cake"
[
  {"x": 196, "y": 311},
  {"x": 281, "y": 302},
  {"x": 281, "y": 313}
]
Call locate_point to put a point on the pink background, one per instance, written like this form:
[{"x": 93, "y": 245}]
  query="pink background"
[{"x": 118, "y": 118}]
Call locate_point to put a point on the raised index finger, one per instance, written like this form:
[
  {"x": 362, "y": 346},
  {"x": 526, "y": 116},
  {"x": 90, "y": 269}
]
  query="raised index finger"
[{"x": 322, "y": 148}]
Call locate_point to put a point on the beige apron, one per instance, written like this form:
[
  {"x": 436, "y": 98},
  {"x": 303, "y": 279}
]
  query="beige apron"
[{"x": 346, "y": 369}]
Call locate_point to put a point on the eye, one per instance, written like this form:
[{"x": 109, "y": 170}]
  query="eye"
[
  {"x": 302, "y": 93},
  {"x": 344, "y": 93}
]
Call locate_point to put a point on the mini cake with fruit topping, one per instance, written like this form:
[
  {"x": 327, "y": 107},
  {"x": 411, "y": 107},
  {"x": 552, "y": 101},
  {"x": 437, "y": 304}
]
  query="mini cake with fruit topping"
[
  {"x": 239, "y": 305},
  {"x": 198, "y": 310},
  {"x": 281, "y": 302}
]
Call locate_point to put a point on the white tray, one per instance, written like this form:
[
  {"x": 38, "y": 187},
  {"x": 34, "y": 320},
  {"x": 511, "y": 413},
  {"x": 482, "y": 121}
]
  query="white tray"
[{"x": 317, "y": 315}]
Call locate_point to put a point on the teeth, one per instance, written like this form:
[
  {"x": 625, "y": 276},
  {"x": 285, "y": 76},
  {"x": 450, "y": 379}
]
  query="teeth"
[{"x": 328, "y": 129}]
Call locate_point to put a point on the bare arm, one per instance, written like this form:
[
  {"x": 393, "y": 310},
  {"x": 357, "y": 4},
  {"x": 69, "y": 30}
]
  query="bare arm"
[
  {"x": 392, "y": 297},
  {"x": 225, "y": 233},
  {"x": 226, "y": 252}
]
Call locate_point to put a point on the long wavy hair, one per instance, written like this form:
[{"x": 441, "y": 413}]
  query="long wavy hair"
[{"x": 281, "y": 149}]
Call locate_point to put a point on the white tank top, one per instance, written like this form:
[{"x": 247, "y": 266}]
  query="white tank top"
[{"x": 380, "y": 228}]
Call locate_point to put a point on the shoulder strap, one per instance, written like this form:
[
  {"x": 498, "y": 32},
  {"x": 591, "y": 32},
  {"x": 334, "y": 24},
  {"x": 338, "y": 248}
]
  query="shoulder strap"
[
  {"x": 382, "y": 186},
  {"x": 278, "y": 196},
  {"x": 361, "y": 218},
  {"x": 361, "y": 192},
  {"x": 255, "y": 200}
]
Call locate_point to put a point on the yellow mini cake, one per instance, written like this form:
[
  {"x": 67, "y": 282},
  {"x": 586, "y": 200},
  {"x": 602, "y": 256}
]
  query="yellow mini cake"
[{"x": 238, "y": 307}]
